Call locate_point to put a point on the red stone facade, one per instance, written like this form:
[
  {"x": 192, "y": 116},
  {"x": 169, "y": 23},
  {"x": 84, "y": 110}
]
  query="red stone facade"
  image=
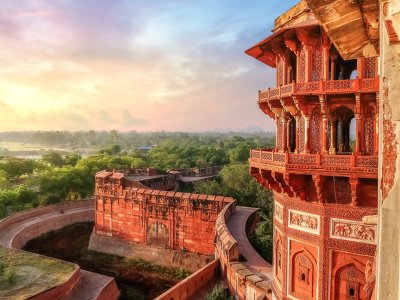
[
  {"x": 158, "y": 218},
  {"x": 323, "y": 183}
]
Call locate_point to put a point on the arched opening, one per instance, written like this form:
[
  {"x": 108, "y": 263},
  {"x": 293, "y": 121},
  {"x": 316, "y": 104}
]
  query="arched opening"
[
  {"x": 158, "y": 234},
  {"x": 344, "y": 68},
  {"x": 292, "y": 134},
  {"x": 353, "y": 134},
  {"x": 339, "y": 129},
  {"x": 340, "y": 69},
  {"x": 292, "y": 72}
]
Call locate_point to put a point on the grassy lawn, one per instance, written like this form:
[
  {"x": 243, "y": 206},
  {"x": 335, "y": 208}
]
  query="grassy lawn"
[{"x": 33, "y": 273}]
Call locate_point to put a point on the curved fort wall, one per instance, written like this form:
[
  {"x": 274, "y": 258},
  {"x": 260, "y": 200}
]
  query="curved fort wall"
[
  {"x": 56, "y": 217},
  {"x": 19, "y": 228},
  {"x": 242, "y": 282}
]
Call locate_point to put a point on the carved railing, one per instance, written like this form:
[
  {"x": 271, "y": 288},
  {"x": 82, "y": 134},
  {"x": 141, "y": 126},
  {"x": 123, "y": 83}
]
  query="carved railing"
[
  {"x": 367, "y": 161},
  {"x": 303, "y": 159},
  {"x": 339, "y": 85},
  {"x": 336, "y": 160},
  {"x": 255, "y": 153},
  {"x": 361, "y": 85},
  {"x": 369, "y": 84},
  {"x": 308, "y": 87},
  {"x": 286, "y": 89},
  {"x": 348, "y": 162},
  {"x": 274, "y": 93}
]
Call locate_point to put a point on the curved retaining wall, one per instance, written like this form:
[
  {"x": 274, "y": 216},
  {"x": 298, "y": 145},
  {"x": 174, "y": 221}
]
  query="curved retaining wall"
[
  {"x": 30, "y": 232},
  {"x": 192, "y": 284},
  {"x": 21, "y": 227},
  {"x": 59, "y": 291},
  {"x": 26, "y": 229},
  {"x": 242, "y": 282},
  {"x": 34, "y": 212}
]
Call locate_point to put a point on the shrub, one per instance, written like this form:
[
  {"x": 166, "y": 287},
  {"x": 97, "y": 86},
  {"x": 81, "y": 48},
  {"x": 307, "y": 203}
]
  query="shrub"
[
  {"x": 9, "y": 274},
  {"x": 219, "y": 292},
  {"x": 3, "y": 268}
]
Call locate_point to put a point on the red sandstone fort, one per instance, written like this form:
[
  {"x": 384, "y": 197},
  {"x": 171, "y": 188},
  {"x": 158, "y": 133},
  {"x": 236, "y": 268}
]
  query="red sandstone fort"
[{"x": 326, "y": 191}]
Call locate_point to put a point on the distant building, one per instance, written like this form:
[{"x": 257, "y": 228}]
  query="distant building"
[{"x": 322, "y": 186}]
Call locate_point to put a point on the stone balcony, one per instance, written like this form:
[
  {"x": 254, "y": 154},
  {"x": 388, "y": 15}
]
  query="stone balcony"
[
  {"x": 315, "y": 164},
  {"x": 350, "y": 86}
]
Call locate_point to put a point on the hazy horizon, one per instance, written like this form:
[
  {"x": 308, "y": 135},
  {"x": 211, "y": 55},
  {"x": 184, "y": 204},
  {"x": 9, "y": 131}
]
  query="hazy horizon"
[{"x": 130, "y": 65}]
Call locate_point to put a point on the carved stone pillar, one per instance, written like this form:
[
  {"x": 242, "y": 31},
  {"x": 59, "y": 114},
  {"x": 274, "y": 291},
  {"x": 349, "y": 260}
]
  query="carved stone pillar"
[
  {"x": 277, "y": 135},
  {"x": 308, "y": 70},
  {"x": 376, "y": 140},
  {"x": 297, "y": 118},
  {"x": 319, "y": 182},
  {"x": 288, "y": 134},
  {"x": 361, "y": 67},
  {"x": 358, "y": 134},
  {"x": 284, "y": 134},
  {"x": 354, "y": 183},
  {"x": 332, "y": 147},
  {"x": 297, "y": 78},
  {"x": 307, "y": 134},
  {"x": 324, "y": 146},
  {"x": 333, "y": 69},
  {"x": 325, "y": 62}
]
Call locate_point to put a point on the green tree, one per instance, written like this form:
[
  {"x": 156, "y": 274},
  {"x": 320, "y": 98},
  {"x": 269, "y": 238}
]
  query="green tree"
[
  {"x": 239, "y": 154},
  {"x": 71, "y": 159},
  {"x": 27, "y": 196},
  {"x": 54, "y": 159},
  {"x": 15, "y": 167}
]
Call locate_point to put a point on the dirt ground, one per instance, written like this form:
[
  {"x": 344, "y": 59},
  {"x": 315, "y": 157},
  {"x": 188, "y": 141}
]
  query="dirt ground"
[{"x": 135, "y": 280}]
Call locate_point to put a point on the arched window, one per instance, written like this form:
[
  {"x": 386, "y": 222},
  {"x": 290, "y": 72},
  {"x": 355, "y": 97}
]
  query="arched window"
[
  {"x": 292, "y": 134},
  {"x": 339, "y": 129}
]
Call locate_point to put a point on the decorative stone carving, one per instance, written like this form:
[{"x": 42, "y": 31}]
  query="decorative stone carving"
[
  {"x": 370, "y": 277},
  {"x": 352, "y": 231},
  {"x": 304, "y": 221},
  {"x": 278, "y": 212}
]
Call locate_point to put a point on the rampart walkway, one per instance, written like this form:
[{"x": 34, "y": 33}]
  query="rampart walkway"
[
  {"x": 237, "y": 228},
  {"x": 10, "y": 233}
]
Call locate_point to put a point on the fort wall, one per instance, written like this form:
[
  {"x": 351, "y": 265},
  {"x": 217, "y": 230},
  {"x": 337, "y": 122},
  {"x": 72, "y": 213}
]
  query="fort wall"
[
  {"x": 192, "y": 284},
  {"x": 242, "y": 282},
  {"x": 173, "y": 220}
]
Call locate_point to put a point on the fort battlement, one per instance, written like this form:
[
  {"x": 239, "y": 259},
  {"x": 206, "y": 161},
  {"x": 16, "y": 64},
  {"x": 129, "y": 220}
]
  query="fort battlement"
[{"x": 172, "y": 220}]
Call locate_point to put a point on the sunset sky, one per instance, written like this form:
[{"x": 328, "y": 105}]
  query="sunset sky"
[{"x": 133, "y": 65}]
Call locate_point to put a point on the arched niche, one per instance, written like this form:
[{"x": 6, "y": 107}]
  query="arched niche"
[
  {"x": 303, "y": 275},
  {"x": 279, "y": 259},
  {"x": 348, "y": 280},
  {"x": 158, "y": 234}
]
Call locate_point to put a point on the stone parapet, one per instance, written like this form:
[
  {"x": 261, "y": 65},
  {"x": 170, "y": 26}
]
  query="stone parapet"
[
  {"x": 192, "y": 284},
  {"x": 242, "y": 282}
]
